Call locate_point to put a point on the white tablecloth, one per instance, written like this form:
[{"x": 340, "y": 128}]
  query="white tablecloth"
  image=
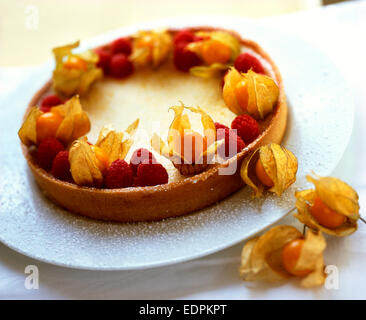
[{"x": 340, "y": 32}]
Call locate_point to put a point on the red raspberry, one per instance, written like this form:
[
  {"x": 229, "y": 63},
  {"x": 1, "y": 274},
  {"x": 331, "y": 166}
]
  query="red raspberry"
[
  {"x": 119, "y": 175},
  {"x": 47, "y": 151},
  {"x": 185, "y": 59},
  {"x": 105, "y": 56},
  {"x": 220, "y": 126},
  {"x": 120, "y": 66},
  {"x": 246, "y": 127},
  {"x": 50, "y": 101},
  {"x": 121, "y": 45},
  {"x": 141, "y": 156},
  {"x": 151, "y": 174},
  {"x": 233, "y": 143},
  {"x": 61, "y": 166},
  {"x": 184, "y": 36},
  {"x": 246, "y": 61}
]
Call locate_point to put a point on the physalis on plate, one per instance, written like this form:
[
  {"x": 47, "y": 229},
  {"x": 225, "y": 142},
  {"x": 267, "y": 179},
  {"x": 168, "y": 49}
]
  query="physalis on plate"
[
  {"x": 271, "y": 167},
  {"x": 282, "y": 252},
  {"x": 332, "y": 207}
]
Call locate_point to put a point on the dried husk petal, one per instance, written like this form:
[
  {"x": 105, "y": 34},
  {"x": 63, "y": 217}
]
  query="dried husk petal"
[
  {"x": 112, "y": 143},
  {"x": 232, "y": 78},
  {"x": 261, "y": 257},
  {"x": 279, "y": 164},
  {"x": 311, "y": 258},
  {"x": 84, "y": 164},
  {"x": 304, "y": 199},
  {"x": 28, "y": 131},
  {"x": 151, "y": 47},
  {"x": 68, "y": 82},
  {"x": 76, "y": 122},
  {"x": 210, "y": 71}
]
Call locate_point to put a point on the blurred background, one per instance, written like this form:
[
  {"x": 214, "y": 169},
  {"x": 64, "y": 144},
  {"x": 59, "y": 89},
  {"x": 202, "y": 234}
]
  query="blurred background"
[{"x": 30, "y": 28}]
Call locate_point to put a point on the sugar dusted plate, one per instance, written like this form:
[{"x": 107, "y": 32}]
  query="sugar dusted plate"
[{"x": 320, "y": 123}]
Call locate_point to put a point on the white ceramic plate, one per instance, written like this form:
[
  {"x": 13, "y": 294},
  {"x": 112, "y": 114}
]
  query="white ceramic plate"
[{"x": 320, "y": 123}]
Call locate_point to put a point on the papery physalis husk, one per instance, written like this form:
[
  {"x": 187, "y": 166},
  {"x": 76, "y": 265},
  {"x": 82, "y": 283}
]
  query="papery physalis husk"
[
  {"x": 68, "y": 82},
  {"x": 261, "y": 258},
  {"x": 28, "y": 131},
  {"x": 151, "y": 47},
  {"x": 84, "y": 164},
  {"x": 279, "y": 164},
  {"x": 263, "y": 93},
  {"x": 224, "y": 37},
  {"x": 209, "y": 71},
  {"x": 311, "y": 258},
  {"x": 113, "y": 143},
  {"x": 336, "y": 195},
  {"x": 178, "y": 126},
  {"x": 76, "y": 122},
  {"x": 232, "y": 78}
]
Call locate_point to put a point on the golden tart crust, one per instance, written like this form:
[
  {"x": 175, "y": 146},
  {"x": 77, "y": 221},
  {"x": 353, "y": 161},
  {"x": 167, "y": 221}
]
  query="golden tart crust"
[{"x": 162, "y": 201}]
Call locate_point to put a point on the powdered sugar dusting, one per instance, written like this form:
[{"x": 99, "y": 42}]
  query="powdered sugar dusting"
[{"x": 320, "y": 123}]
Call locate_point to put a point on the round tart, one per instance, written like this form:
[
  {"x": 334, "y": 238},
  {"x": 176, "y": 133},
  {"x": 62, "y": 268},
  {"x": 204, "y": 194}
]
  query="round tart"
[{"x": 147, "y": 94}]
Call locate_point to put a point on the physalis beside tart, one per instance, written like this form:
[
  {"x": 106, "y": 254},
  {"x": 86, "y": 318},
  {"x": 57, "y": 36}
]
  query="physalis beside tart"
[
  {"x": 218, "y": 98},
  {"x": 283, "y": 252},
  {"x": 332, "y": 207}
]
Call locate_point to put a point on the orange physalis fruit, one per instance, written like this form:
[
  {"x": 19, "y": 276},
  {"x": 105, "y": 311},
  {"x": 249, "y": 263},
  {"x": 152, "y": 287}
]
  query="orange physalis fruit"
[
  {"x": 270, "y": 167},
  {"x": 74, "y": 62},
  {"x": 74, "y": 73},
  {"x": 103, "y": 160},
  {"x": 332, "y": 207},
  {"x": 258, "y": 94},
  {"x": 241, "y": 94},
  {"x": 262, "y": 175},
  {"x": 282, "y": 252},
  {"x": 214, "y": 51},
  {"x": 290, "y": 255},
  {"x": 191, "y": 145},
  {"x": 326, "y": 216},
  {"x": 47, "y": 125}
]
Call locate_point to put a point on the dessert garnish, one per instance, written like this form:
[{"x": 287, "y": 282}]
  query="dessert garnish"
[
  {"x": 150, "y": 174},
  {"x": 250, "y": 92},
  {"x": 232, "y": 143},
  {"x": 47, "y": 151},
  {"x": 151, "y": 48},
  {"x": 283, "y": 252},
  {"x": 88, "y": 163},
  {"x": 74, "y": 73},
  {"x": 246, "y": 127},
  {"x": 61, "y": 166},
  {"x": 65, "y": 122},
  {"x": 217, "y": 49},
  {"x": 332, "y": 207},
  {"x": 119, "y": 175},
  {"x": 189, "y": 151},
  {"x": 270, "y": 167},
  {"x": 246, "y": 61}
]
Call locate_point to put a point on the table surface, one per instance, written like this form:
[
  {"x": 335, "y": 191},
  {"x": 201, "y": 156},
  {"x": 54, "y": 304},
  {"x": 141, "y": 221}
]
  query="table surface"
[{"x": 338, "y": 31}]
